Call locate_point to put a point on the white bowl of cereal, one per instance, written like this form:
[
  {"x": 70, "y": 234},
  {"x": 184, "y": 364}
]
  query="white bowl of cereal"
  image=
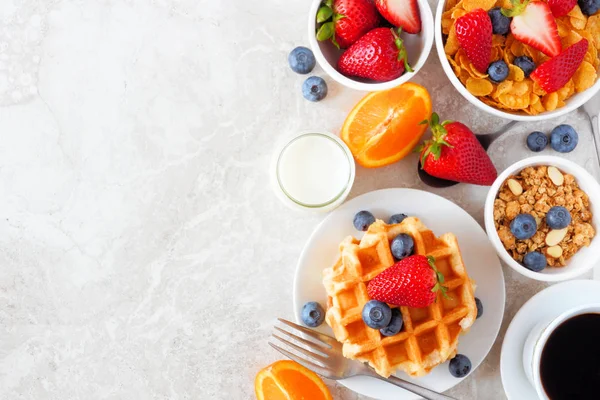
[
  {"x": 524, "y": 100},
  {"x": 418, "y": 46},
  {"x": 531, "y": 187}
]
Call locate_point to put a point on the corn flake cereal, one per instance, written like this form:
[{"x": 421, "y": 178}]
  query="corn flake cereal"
[
  {"x": 584, "y": 77},
  {"x": 479, "y": 87},
  {"x": 518, "y": 93}
]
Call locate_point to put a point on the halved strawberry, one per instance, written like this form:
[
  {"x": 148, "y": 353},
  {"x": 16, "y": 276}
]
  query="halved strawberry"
[
  {"x": 474, "y": 33},
  {"x": 556, "y": 72},
  {"x": 561, "y": 7},
  {"x": 533, "y": 24},
  {"x": 401, "y": 13}
]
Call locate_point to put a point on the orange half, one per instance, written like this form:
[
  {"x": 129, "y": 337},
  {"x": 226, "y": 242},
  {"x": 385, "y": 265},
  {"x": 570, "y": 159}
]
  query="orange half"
[
  {"x": 288, "y": 380},
  {"x": 384, "y": 126}
]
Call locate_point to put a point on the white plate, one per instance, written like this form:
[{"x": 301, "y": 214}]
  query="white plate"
[
  {"x": 551, "y": 301},
  {"x": 441, "y": 216}
]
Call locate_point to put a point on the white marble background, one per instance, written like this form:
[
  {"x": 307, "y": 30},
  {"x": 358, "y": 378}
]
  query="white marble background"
[{"x": 142, "y": 252}]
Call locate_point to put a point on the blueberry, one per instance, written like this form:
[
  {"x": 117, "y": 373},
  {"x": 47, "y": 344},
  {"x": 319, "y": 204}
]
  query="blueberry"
[
  {"x": 362, "y": 220},
  {"x": 525, "y": 63},
  {"x": 535, "y": 261},
  {"x": 498, "y": 71},
  {"x": 500, "y": 22},
  {"x": 564, "y": 138},
  {"x": 313, "y": 314},
  {"x": 479, "y": 305},
  {"x": 395, "y": 325},
  {"x": 314, "y": 88},
  {"x": 589, "y": 7},
  {"x": 376, "y": 314},
  {"x": 302, "y": 60},
  {"x": 558, "y": 217},
  {"x": 523, "y": 226},
  {"x": 460, "y": 366},
  {"x": 537, "y": 141},
  {"x": 397, "y": 218},
  {"x": 402, "y": 246}
]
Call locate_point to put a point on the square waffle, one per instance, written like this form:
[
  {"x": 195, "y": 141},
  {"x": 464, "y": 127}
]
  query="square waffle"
[{"x": 429, "y": 336}]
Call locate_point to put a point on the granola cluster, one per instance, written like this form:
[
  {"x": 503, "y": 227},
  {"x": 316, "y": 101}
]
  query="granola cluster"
[{"x": 534, "y": 191}]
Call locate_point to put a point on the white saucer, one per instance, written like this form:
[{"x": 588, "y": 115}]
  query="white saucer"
[
  {"x": 441, "y": 216},
  {"x": 551, "y": 301}
]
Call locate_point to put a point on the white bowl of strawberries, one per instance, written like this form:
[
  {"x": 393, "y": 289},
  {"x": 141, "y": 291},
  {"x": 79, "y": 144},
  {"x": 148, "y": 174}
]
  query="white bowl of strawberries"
[
  {"x": 370, "y": 45},
  {"x": 531, "y": 60}
]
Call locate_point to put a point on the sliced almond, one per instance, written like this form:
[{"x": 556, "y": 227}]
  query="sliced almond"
[
  {"x": 538, "y": 220},
  {"x": 515, "y": 187},
  {"x": 556, "y": 176},
  {"x": 554, "y": 251},
  {"x": 556, "y": 236}
]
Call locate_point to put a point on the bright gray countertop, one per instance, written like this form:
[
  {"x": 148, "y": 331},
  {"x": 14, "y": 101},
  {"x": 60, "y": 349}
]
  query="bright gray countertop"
[{"x": 143, "y": 253}]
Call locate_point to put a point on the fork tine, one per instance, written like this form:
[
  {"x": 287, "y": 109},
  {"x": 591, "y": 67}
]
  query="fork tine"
[
  {"x": 319, "y": 336},
  {"x": 306, "y": 352},
  {"x": 319, "y": 346},
  {"x": 308, "y": 364}
]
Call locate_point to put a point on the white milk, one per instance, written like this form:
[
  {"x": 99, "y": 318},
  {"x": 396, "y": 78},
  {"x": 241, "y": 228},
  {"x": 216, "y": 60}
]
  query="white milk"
[{"x": 314, "y": 169}]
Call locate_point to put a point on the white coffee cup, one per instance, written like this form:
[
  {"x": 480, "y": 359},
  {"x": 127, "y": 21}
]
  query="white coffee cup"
[{"x": 536, "y": 341}]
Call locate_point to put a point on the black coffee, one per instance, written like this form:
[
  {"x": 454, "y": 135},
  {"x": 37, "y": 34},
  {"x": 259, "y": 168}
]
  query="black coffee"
[{"x": 570, "y": 363}]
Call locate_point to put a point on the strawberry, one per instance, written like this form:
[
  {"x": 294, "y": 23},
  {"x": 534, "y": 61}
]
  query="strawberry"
[
  {"x": 556, "y": 72},
  {"x": 413, "y": 282},
  {"x": 533, "y": 24},
  {"x": 401, "y": 13},
  {"x": 379, "y": 55},
  {"x": 345, "y": 21},
  {"x": 474, "y": 34},
  {"x": 454, "y": 153},
  {"x": 561, "y": 8}
]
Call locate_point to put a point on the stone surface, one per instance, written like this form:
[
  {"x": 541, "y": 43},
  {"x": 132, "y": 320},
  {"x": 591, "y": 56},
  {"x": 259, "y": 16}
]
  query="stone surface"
[{"x": 143, "y": 253}]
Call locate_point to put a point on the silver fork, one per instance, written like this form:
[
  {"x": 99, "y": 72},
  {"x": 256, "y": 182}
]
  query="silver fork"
[{"x": 324, "y": 356}]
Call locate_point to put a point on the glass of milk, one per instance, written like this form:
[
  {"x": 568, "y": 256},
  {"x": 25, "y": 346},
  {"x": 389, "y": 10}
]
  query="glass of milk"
[{"x": 314, "y": 171}]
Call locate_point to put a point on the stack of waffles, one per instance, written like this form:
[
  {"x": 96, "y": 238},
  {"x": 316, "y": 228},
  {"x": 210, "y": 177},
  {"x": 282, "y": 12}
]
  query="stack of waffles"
[{"x": 430, "y": 334}]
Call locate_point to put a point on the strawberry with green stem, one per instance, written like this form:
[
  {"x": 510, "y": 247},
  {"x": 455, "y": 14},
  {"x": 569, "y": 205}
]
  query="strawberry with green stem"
[
  {"x": 379, "y": 55},
  {"x": 455, "y": 154},
  {"x": 413, "y": 282},
  {"x": 346, "y": 21}
]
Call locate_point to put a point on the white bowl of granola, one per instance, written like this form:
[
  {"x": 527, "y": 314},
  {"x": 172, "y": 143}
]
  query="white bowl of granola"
[{"x": 531, "y": 186}]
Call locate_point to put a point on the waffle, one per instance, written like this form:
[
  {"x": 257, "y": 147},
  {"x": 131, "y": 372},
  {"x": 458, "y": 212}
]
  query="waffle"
[{"x": 430, "y": 334}]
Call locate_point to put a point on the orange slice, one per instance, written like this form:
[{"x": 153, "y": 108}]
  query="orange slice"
[
  {"x": 288, "y": 380},
  {"x": 384, "y": 126}
]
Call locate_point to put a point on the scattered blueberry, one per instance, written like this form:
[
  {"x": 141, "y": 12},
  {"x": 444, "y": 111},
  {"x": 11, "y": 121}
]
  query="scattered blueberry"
[
  {"x": 362, "y": 220},
  {"x": 564, "y": 138},
  {"x": 537, "y": 141},
  {"x": 479, "y": 305},
  {"x": 460, "y": 366},
  {"x": 402, "y": 246},
  {"x": 397, "y": 218},
  {"x": 525, "y": 63},
  {"x": 302, "y": 60},
  {"x": 376, "y": 314},
  {"x": 589, "y": 7},
  {"x": 500, "y": 22},
  {"x": 558, "y": 217},
  {"x": 535, "y": 261},
  {"x": 498, "y": 71},
  {"x": 523, "y": 226},
  {"x": 314, "y": 88},
  {"x": 313, "y": 314},
  {"x": 395, "y": 325}
]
